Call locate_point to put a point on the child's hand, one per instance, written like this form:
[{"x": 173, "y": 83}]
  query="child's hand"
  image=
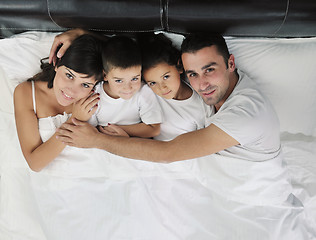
[
  {"x": 113, "y": 130},
  {"x": 84, "y": 108}
]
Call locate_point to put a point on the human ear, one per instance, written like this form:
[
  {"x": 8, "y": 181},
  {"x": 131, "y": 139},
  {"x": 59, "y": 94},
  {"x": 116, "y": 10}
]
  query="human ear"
[
  {"x": 179, "y": 66},
  {"x": 231, "y": 63},
  {"x": 104, "y": 75}
]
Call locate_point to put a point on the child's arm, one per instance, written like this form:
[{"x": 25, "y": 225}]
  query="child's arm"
[
  {"x": 38, "y": 154},
  {"x": 142, "y": 130},
  {"x": 150, "y": 112},
  {"x": 113, "y": 130}
]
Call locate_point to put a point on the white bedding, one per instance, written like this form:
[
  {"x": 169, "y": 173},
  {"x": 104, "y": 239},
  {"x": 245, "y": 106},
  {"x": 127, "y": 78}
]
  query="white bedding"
[{"x": 156, "y": 206}]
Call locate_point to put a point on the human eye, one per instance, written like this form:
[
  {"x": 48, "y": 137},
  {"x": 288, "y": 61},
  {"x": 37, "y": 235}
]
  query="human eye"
[
  {"x": 118, "y": 81},
  {"x": 191, "y": 75},
  {"x": 68, "y": 75},
  {"x": 151, "y": 84},
  {"x": 166, "y": 77},
  {"x": 85, "y": 85},
  {"x": 135, "y": 79},
  {"x": 208, "y": 70}
]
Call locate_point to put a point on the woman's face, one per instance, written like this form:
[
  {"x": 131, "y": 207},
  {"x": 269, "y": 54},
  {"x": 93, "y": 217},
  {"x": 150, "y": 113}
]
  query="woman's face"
[
  {"x": 70, "y": 86},
  {"x": 164, "y": 80}
]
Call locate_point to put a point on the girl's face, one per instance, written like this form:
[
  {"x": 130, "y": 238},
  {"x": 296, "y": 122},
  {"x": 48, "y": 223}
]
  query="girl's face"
[
  {"x": 164, "y": 80},
  {"x": 123, "y": 83},
  {"x": 70, "y": 86}
]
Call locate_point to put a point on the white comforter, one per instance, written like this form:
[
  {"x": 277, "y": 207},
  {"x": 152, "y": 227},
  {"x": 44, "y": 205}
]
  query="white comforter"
[{"x": 137, "y": 206}]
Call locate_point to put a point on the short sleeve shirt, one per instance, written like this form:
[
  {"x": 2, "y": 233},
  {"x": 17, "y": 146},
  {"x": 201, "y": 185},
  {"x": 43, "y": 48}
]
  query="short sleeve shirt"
[
  {"x": 142, "y": 107},
  {"x": 249, "y": 117}
]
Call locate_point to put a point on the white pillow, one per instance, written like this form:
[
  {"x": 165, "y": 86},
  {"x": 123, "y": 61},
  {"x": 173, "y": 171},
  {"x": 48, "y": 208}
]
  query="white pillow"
[
  {"x": 285, "y": 70},
  {"x": 20, "y": 59}
]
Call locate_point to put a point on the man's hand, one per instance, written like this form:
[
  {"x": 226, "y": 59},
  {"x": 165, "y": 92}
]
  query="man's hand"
[
  {"x": 64, "y": 40},
  {"x": 80, "y": 134},
  {"x": 113, "y": 130},
  {"x": 84, "y": 108}
]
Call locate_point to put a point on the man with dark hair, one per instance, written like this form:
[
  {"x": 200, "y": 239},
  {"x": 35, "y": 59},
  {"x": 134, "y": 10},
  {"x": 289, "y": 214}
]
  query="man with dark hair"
[{"x": 195, "y": 42}]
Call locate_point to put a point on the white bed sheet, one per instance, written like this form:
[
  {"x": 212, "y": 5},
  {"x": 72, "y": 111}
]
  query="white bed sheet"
[{"x": 147, "y": 207}]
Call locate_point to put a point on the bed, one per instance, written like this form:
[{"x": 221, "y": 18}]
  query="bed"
[{"x": 274, "y": 42}]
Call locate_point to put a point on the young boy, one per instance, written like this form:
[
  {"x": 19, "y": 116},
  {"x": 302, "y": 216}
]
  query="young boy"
[{"x": 124, "y": 101}]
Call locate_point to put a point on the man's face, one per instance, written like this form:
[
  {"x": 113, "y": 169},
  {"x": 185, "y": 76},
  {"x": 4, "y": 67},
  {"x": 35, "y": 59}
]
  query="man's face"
[{"x": 208, "y": 74}]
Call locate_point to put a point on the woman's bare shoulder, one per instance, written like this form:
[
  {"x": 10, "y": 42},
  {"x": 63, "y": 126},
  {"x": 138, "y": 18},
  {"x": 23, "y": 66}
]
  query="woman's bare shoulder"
[
  {"x": 23, "y": 100},
  {"x": 23, "y": 90},
  {"x": 24, "y": 85}
]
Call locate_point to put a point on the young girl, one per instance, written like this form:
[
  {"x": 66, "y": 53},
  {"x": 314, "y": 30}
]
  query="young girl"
[
  {"x": 54, "y": 96},
  {"x": 183, "y": 109}
]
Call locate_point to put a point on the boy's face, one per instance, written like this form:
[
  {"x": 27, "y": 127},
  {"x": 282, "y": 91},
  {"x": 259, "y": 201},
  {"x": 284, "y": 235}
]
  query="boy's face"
[{"x": 123, "y": 83}]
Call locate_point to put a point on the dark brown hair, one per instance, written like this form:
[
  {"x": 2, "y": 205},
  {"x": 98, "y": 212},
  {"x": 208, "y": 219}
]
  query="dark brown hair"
[{"x": 83, "y": 56}]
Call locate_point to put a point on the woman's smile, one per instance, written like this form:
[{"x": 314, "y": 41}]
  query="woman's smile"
[{"x": 66, "y": 96}]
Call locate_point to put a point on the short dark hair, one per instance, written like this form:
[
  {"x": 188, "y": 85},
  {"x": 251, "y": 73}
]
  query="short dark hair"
[
  {"x": 194, "y": 42},
  {"x": 156, "y": 49},
  {"x": 82, "y": 56},
  {"x": 120, "y": 52}
]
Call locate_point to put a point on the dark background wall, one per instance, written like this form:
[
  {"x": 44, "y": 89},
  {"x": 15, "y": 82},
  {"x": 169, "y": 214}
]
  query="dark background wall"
[{"x": 270, "y": 18}]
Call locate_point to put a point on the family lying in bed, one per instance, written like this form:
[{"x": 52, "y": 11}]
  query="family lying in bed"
[{"x": 91, "y": 105}]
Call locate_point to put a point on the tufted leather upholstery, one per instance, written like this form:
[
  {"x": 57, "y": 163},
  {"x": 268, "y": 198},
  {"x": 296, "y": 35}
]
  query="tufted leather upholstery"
[{"x": 270, "y": 18}]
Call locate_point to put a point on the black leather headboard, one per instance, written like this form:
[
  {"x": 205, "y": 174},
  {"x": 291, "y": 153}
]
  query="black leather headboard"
[{"x": 268, "y": 18}]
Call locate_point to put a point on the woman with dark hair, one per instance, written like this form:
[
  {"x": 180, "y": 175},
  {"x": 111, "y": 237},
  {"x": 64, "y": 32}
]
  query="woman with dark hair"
[
  {"x": 54, "y": 96},
  {"x": 66, "y": 182}
]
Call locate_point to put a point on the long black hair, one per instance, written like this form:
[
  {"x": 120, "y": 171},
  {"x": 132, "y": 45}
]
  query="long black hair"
[{"x": 83, "y": 56}]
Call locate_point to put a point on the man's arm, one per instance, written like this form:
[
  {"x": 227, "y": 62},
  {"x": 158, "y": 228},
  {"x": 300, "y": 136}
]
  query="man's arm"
[{"x": 186, "y": 146}]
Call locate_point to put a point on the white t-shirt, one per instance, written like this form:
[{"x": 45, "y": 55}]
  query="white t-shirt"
[
  {"x": 252, "y": 171},
  {"x": 181, "y": 116},
  {"x": 142, "y": 107},
  {"x": 249, "y": 117}
]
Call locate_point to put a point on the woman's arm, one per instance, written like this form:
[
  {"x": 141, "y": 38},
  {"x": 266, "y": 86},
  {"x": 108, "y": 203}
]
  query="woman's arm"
[{"x": 37, "y": 154}]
